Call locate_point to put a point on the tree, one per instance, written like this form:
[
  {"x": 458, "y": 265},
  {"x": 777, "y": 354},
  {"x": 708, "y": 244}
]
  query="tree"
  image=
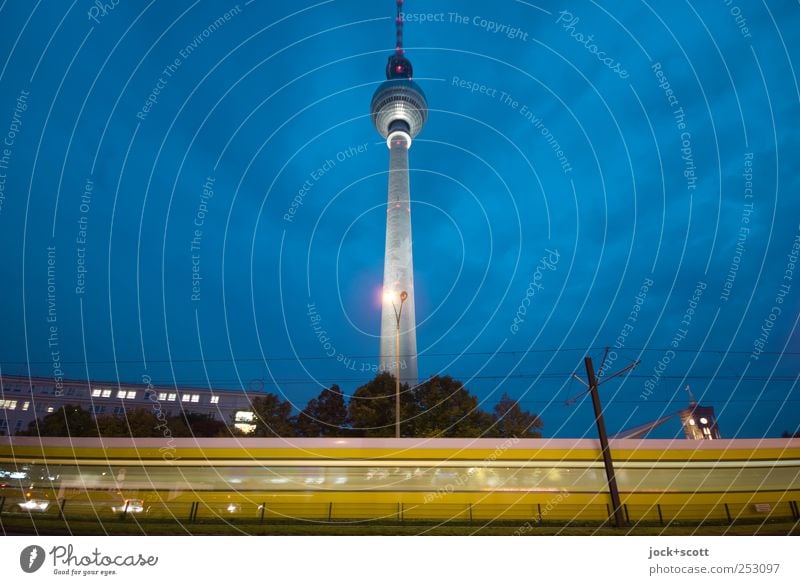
[
  {"x": 110, "y": 425},
  {"x": 512, "y": 421},
  {"x": 273, "y": 416},
  {"x": 446, "y": 409},
  {"x": 141, "y": 422},
  {"x": 372, "y": 407},
  {"x": 324, "y": 416},
  {"x": 68, "y": 421},
  {"x": 197, "y": 424}
]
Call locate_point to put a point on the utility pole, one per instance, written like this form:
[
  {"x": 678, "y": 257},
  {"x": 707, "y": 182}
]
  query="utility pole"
[
  {"x": 616, "y": 503},
  {"x": 619, "y": 518}
]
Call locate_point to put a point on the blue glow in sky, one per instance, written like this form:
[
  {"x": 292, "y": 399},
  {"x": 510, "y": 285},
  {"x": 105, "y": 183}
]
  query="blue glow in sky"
[{"x": 202, "y": 186}]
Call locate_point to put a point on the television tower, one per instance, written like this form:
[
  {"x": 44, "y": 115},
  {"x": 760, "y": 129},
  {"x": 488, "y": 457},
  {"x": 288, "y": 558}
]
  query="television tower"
[{"x": 399, "y": 111}]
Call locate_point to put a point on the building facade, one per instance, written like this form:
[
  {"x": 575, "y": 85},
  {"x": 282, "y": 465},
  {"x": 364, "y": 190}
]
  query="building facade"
[{"x": 24, "y": 399}]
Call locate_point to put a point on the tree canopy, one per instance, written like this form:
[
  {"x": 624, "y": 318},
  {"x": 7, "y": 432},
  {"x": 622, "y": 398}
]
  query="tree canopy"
[
  {"x": 325, "y": 416},
  {"x": 444, "y": 408},
  {"x": 511, "y": 421},
  {"x": 372, "y": 407},
  {"x": 273, "y": 416},
  {"x": 68, "y": 421}
]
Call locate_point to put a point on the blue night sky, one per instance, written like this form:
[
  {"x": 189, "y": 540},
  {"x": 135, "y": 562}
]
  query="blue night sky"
[{"x": 203, "y": 195}]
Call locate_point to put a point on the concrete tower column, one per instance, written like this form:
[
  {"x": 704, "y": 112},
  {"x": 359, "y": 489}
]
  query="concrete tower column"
[{"x": 398, "y": 268}]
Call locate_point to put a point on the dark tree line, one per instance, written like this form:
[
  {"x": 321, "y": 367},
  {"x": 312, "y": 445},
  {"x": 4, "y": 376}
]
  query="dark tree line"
[
  {"x": 74, "y": 421},
  {"x": 439, "y": 407}
]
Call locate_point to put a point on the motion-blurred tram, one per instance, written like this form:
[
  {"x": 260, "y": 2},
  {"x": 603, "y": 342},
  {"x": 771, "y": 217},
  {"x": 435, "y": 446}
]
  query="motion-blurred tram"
[{"x": 336, "y": 479}]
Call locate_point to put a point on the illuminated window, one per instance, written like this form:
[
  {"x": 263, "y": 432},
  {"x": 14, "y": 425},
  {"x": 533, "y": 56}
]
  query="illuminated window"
[
  {"x": 26, "y": 405},
  {"x": 8, "y": 404},
  {"x": 96, "y": 393},
  {"x": 215, "y": 400},
  {"x": 131, "y": 395},
  {"x": 195, "y": 398},
  {"x": 244, "y": 416},
  {"x": 704, "y": 420},
  {"x": 121, "y": 393},
  {"x": 106, "y": 393},
  {"x": 50, "y": 409},
  {"x": 172, "y": 397},
  {"x": 691, "y": 421},
  {"x": 186, "y": 398},
  {"x": 162, "y": 395}
]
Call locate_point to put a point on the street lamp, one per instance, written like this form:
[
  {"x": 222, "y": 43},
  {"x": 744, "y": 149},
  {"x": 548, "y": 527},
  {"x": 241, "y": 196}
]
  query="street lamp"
[{"x": 397, "y": 314}]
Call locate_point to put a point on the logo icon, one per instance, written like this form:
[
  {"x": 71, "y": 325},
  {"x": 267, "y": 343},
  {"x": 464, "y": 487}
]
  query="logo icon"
[{"x": 31, "y": 558}]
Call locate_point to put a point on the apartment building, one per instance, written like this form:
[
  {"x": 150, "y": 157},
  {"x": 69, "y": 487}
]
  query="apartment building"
[{"x": 24, "y": 399}]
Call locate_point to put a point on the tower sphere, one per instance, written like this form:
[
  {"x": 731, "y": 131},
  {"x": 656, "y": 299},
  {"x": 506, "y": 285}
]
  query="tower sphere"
[{"x": 399, "y": 104}]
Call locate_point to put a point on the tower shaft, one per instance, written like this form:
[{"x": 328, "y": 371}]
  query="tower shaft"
[{"x": 398, "y": 268}]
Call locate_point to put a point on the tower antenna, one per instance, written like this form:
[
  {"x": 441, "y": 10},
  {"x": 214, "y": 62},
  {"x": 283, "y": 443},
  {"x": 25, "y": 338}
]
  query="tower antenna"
[
  {"x": 398, "y": 66},
  {"x": 399, "y": 27}
]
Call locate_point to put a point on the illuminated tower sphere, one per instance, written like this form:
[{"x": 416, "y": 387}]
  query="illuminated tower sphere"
[{"x": 399, "y": 112}]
